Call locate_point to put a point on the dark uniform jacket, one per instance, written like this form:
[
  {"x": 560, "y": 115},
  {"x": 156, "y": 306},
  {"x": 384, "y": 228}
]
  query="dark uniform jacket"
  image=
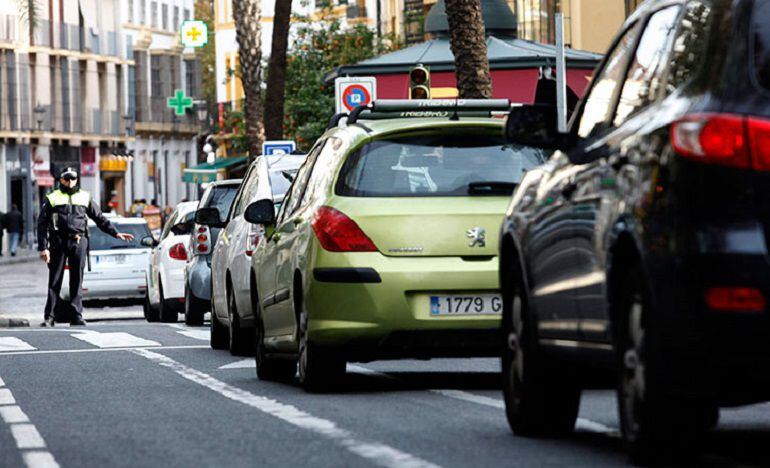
[{"x": 65, "y": 215}]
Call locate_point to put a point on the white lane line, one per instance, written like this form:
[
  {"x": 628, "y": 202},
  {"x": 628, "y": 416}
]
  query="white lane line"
[
  {"x": 13, "y": 414},
  {"x": 581, "y": 424},
  {"x": 2, "y": 384},
  {"x": 375, "y": 452},
  {"x": 6, "y": 397},
  {"x": 27, "y": 437},
  {"x": 113, "y": 339},
  {"x": 245, "y": 364},
  {"x": 98, "y": 350},
  {"x": 203, "y": 335},
  {"x": 11, "y": 343},
  {"x": 37, "y": 459}
]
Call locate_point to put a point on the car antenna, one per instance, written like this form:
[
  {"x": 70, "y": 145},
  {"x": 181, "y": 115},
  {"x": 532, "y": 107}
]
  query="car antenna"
[{"x": 456, "y": 115}]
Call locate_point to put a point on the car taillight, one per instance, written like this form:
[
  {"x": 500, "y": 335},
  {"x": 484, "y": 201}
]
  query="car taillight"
[
  {"x": 735, "y": 299},
  {"x": 338, "y": 233},
  {"x": 201, "y": 241},
  {"x": 724, "y": 139},
  {"x": 256, "y": 231},
  {"x": 178, "y": 252}
]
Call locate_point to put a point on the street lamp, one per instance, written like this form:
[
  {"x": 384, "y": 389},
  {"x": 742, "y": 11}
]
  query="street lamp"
[
  {"x": 39, "y": 111},
  {"x": 203, "y": 112}
]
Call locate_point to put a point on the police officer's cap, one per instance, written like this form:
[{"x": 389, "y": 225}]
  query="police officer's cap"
[{"x": 69, "y": 173}]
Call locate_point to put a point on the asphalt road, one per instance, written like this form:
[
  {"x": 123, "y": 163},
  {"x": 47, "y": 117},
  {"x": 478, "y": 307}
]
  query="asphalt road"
[{"x": 128, "y": 393}]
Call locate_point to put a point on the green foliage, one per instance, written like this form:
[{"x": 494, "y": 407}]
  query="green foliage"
[
  {"x": 235, "y": 127},
  {"x": 29, "y": 12},
  {"x": 320, "y": 47}
]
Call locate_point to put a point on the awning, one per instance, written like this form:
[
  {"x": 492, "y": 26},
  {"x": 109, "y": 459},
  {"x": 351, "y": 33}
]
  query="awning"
[{"x": 209, "y": 172}]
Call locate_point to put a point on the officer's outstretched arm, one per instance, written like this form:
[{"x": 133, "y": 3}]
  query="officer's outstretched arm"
[
  {"x": 101, "y": 221},
  {"x": 42, "y": 225}
]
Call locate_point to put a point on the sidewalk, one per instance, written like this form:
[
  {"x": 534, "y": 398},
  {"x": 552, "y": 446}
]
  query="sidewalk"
[{"x": 22, "y": 256}]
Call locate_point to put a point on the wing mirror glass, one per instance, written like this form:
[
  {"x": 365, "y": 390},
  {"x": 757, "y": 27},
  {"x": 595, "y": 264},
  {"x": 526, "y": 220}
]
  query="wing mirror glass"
[
  {"x": 261, "y": 212},
  {"x": 209, "y": 217},
  {"x": 534, "y": 125},
  {"x": 148, "y": 241}
]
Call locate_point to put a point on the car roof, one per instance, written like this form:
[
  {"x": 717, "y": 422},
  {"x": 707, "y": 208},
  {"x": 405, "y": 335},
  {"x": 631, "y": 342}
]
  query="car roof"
[
  {"x": 122, "y": 220},
  {"x": 186, "y": 207},
  {"x": 227, "y": 182},
  {"x": 376, "y": 128},
  {"x": 287, "y": 161}
]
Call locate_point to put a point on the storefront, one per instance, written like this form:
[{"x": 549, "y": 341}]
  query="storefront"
[
  {"x": 112, "y": 172},
  {"x": 19, "y": 187}
]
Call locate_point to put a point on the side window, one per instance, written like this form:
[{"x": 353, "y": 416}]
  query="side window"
[
  {"x": 600, "y": 102},
  {"x": 169, "y": 224},
  {"x": 689, "y": 49},
  {"x": 293, "y": 198},
  {"x": 643, "y": 79},
  {"x": 323, "y": 169},
  {"x": 247, "y": 192}
]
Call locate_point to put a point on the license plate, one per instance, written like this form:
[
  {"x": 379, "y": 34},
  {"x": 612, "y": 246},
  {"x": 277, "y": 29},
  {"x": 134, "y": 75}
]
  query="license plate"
[
  {"x": 117, "y": 259},
  {"x": 466, "y": 304}
]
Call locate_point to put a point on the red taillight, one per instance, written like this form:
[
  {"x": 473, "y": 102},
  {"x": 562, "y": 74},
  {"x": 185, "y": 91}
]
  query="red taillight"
[
  {"x": 735, "y": 299},
  {"x": 338, "y": 233},
  {"x": 256, "y": 231},
  {"x": 66, "y": 266},
  {"x": 201, "y": 241},
  {"x": 725, "y": 139},
  {"x": 178, "y": 252}
]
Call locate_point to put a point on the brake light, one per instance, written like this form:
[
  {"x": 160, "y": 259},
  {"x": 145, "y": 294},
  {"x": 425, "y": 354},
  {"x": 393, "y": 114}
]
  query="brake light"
[
  {"x": 338, "y": 233},
  {"x": 256, "y": 232},
  {"x": 724, "y": 139},
  {"x": 735, "y": 299},
  {"x": 178, "y": 252},
  {"x": 201, "y": 241}
]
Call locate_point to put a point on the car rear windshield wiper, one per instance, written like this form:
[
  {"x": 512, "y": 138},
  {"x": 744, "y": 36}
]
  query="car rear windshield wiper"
[{"x": 491, "y": 188}]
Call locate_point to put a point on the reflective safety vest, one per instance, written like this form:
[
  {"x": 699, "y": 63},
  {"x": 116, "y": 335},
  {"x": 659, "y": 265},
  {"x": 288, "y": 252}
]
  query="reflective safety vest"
[{"x": 79, "y": 198}]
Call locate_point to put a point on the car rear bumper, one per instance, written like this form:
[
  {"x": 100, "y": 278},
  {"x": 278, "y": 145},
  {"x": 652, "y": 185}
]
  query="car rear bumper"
[
  {"x": 132, "y": 287},
  {"x": 199, "y": 278},
  {"x": 382, "y": 310}
]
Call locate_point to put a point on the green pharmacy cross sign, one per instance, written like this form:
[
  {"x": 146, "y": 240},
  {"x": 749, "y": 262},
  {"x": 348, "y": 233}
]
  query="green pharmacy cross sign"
[{"x": 179, "y": 102}]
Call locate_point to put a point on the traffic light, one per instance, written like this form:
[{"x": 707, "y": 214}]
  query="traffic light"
[{"x": 419, "y": 82}]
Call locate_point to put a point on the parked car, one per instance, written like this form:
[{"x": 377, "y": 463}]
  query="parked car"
[
  {"x": 118, "y": 268},
  {"x": 232, "y": 320},
  {"x": 639, "y": 251},
  {"x": 165, "y": 277},
  {"x": 197, "y": 272},
  {"x": 385, "y": 246}
]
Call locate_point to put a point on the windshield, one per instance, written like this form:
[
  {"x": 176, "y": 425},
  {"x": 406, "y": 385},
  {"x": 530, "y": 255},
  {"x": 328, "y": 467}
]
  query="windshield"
[
  {"x": 222, "y": 198},
  {"x": 762, "y": 43},
  {"x": 458, "y": 164},
  {"x": 102, "y": 241}
]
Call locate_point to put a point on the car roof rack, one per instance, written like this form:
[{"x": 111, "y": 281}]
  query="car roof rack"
[
  {"x": 335, "y": 120},
  {"x": 413, "y": 108}
]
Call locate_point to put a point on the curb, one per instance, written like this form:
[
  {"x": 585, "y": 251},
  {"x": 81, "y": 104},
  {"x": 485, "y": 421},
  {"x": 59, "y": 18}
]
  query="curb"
[
  {"x": 11, "y": 323},
  {"x": 15, "y": 260}
]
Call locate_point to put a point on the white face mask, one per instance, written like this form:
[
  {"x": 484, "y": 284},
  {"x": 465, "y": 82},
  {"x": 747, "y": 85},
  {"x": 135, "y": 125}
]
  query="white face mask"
[{"x": 69, "y": 183}]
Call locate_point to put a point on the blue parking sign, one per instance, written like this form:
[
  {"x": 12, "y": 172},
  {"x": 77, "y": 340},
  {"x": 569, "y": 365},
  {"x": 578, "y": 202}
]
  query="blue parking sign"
[{"x": 278, "y": 147}]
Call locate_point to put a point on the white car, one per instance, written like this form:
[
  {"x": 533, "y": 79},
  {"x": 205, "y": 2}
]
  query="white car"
[
  {"x": 165, "y": 277},
  {"x": 118, "y": 268},
  {"x": 232, "y": 320}
]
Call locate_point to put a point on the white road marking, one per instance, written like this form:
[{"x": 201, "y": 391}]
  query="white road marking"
[
  {"x": 37, "y": 459},
  {"x": 581, "y": 424},
  {"x": 11, "y": 343},
  {"x": 375, "y": 452},
  {"x": 203, "y": 335},
  {"x": 6, "y": 397},
  {"x": 98, "y": 350},
  {"x": 245, "y": 364},
  {"x": 13, "y": 414},
  {"x": 2, "y": 384},
  {"x": 113, "y": 339},
  {"x": 27, "y": 437}
]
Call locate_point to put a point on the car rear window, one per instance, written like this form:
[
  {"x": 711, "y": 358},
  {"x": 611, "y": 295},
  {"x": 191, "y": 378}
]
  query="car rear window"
[
  {"x": 222, "y": 198},
  {"x": 280, "y": 181},
  {"x": 102, "y": 241},
  {"x": 437, "y": 165},
  {"x": 761, "y": 39}
]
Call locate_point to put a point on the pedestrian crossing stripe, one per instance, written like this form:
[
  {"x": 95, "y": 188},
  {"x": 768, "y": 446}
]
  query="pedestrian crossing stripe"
[
  {"x": 113, "y": 339},
  {"x": 11, "y": 343}
]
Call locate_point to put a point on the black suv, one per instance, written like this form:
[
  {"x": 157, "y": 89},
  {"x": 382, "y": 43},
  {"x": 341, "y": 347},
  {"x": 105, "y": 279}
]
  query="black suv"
[{"x": 638, "y": 251}]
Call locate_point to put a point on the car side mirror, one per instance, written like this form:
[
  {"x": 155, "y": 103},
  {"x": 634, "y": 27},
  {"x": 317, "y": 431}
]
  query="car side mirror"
[
  {"x": 148, "y": 241},
  {"x": 534, "y": 125},
  {"x": 261, "y": 212},
  {"x": 209, "y": 217}
]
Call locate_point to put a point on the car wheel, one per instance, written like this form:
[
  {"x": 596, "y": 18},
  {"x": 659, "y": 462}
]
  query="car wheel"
[
  {"x": 319, "y": 368},
  {"x": 541, "y": 398},
  {"x": 219, "y": 337},
  {"x": 269, "y": 368},
  {"x": 652, "y": 420},
  {"x": 240, "y": 339},
  {"x": 194, "y": 308},
  {"x": 166, "y": 310},
  {"x": 150, "y": 313}
]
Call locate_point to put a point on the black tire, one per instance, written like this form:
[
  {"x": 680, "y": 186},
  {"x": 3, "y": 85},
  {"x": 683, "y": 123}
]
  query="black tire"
[
  {"x": 166, "y": 310},
  {"x": 150, "y": 313},
  {"x": 270, "y": 368},
  {"x": 241, "y": 340},
  {"x": 320, "y": 369},
  {"x": 219, "y": 337},
  {"x": 653, "y": 421},
  {"x": 541, "y": 397},
  {"x": 194, "y": 308}
]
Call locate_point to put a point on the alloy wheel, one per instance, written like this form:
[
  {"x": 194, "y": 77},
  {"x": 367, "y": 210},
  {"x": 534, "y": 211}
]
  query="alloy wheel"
[{"x": 633, "y": 381}]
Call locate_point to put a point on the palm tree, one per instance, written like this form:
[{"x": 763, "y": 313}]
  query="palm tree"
[
  {"x": 248, "y": 35},
  {"x": 28, "y": 12},
  {"x": 276, "y": 75},
  {"x": 469, "y": 46}
]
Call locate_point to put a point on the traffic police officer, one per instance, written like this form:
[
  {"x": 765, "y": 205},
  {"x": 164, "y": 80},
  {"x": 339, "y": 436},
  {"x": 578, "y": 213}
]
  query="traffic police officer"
[{"x": 62, "y": 233}]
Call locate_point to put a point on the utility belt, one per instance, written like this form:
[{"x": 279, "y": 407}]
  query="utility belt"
[{"x": 73, "y": 236}]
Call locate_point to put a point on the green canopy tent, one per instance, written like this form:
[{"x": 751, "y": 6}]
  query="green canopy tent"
[{"x": 208, "y": 172}]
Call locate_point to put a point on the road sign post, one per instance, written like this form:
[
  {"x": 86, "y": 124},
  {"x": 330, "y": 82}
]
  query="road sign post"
[{"x": 350, "y": 93}]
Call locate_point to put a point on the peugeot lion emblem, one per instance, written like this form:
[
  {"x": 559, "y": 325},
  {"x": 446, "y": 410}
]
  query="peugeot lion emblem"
[{"x": 478, "y": 237}]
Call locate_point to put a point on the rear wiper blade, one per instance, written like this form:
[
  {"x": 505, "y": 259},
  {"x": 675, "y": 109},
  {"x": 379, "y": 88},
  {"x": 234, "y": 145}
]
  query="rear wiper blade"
[
  {"x": 491, "y": 188},
  {"x": 288, "y": 176},
  {"x": 122, "y": 247}
]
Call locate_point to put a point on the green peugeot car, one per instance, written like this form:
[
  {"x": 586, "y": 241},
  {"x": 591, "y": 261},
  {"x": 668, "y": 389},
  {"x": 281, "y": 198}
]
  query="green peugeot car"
[{"x": 386, "y": 244}]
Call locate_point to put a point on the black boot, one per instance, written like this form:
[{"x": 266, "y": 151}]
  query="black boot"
[
  {"x": 78, "y": 322},
  {"x": 49, "y": 322}
]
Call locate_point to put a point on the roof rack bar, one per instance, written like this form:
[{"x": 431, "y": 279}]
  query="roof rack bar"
[
  {"x": 368, "y": 114},
  {"x": 335, "y": 120},
  {"x": 389, "y": 105},
  {"x": 353, "y": 117}
]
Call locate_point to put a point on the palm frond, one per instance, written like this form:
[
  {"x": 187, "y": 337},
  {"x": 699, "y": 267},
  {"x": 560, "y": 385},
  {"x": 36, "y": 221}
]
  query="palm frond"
[{"x": 28, "y": 11}]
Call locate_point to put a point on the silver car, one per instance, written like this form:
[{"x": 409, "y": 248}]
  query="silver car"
[{"x": 232, "y": 320}]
